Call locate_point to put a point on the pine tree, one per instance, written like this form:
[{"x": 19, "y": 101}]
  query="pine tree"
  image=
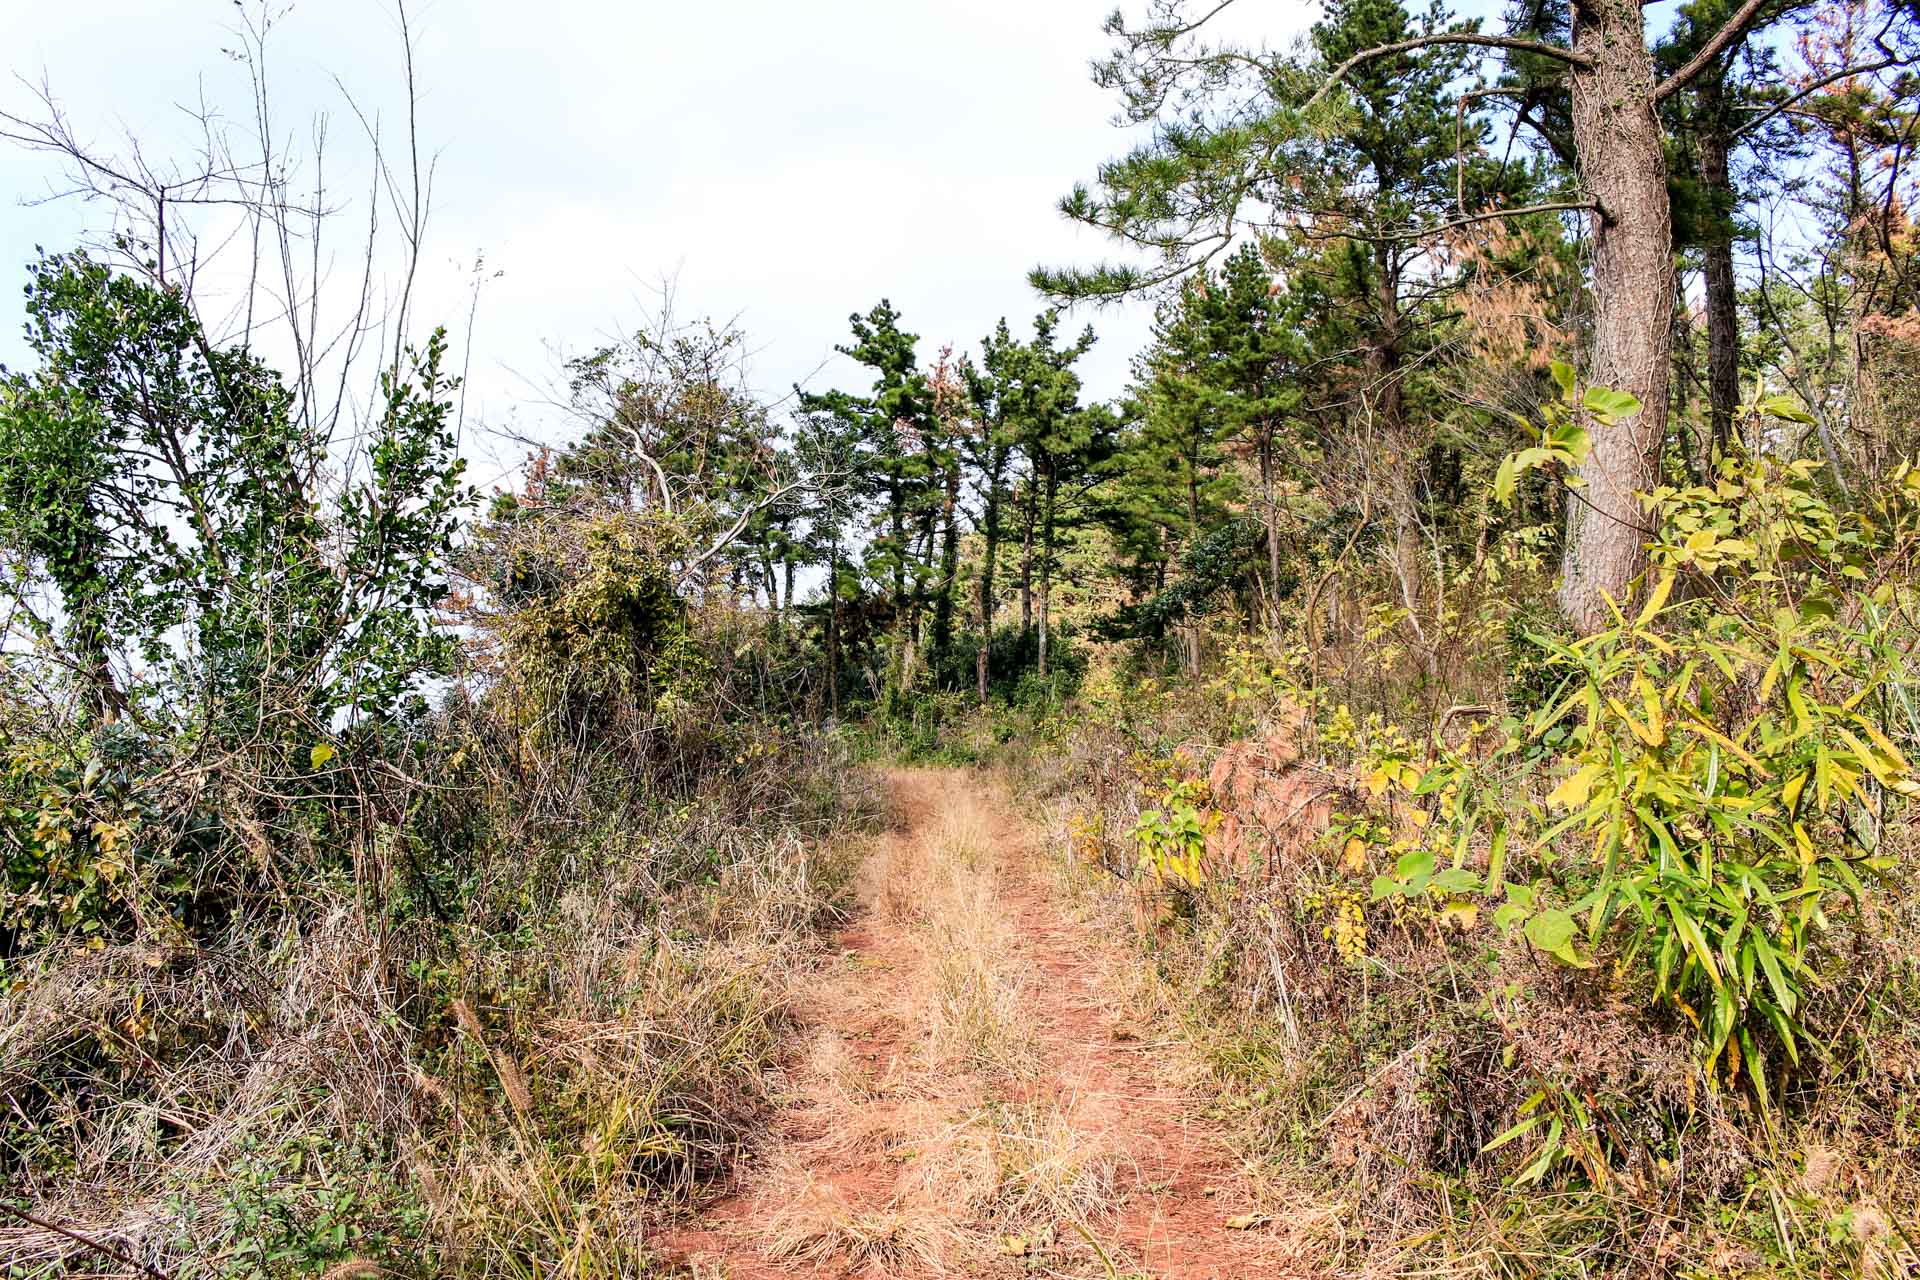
[
  {"x": 1226, "y": 117},
  {"x": 896, "y": 422}
]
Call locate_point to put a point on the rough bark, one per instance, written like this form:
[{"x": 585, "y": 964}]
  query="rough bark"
[
  {"x": 104, "y": 696},
  {"x": 1623, "y": 167}
]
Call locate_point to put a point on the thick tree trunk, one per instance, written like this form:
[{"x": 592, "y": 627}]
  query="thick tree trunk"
[
  {"x": 1723, "y": 318},
  {"x": 1623, "y": 167},
  {"x": 104, "y": 696}
]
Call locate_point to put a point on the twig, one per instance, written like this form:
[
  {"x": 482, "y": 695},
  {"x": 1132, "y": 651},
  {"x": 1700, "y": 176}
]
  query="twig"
[
  {"x": 96, "y": 1245},
  {"x": 1560, "y": 52},
  {"x": 1421, "y": 233}
]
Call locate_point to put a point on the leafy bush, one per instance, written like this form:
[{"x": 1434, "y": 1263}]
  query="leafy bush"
[
  {"x": 1721, "y": 761},
  {"x": 166, "y": 490}
]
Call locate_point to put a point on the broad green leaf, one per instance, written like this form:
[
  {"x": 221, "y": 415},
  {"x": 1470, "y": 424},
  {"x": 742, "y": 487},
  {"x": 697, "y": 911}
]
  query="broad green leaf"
[
  {"x": 1612, "y": 404},
  {"x": 1563, "y": 378},
  {"x": 1786, "y": 408},
  {"x": 1551, "y": 931}
]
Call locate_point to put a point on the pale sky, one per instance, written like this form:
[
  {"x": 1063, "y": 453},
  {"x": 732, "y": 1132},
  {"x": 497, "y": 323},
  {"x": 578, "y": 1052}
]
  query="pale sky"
[{"x": 786, "y": 163}]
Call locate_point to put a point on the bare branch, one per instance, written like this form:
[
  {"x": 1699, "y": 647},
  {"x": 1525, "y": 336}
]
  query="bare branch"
[
  {"x": 1845, "y": 73},
  {"x": 725, "y": 540},
  {"x": 1188, "y": 28},
  {"x": 1558, "y": 52},
  {"x": 659, "y": 472},
  {"x": 1731, "y": 30},
  {"x": 1422, "y": 233}
]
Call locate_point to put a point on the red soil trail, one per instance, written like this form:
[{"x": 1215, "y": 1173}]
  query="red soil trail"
[{"x": 1172, "y": 1184}]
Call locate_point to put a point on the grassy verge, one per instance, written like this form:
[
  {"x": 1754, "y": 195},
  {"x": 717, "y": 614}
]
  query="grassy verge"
[
  {"x": 523, "y": 1078},
  {"x": 1387, "y": 1075}
]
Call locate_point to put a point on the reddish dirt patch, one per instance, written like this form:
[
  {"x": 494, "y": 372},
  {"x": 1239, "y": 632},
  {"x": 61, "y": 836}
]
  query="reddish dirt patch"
[{"x": 1176, "y": 1181}]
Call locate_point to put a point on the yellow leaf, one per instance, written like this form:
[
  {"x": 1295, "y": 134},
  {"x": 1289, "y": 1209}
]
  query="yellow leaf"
[
  {"x": 1767, "y": 681},
  {"x": 1654, "y": 602},
  {"x": 1886, "y": 746},
  {"x": 1640, "y": 731},
  {"x": 1650, "y": 701},
  {"x": 1868, "y": 757},
  {"x": 1574, "y": 790},
  {"x": 1697, "y": 725},
  {"x": 1354, "y": 856},
  {"x": 1804, "y": 843}
]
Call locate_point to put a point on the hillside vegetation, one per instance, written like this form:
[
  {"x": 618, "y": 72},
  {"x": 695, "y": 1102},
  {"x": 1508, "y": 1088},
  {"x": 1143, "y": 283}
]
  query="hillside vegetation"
[{"x": 1420, "y": 784}]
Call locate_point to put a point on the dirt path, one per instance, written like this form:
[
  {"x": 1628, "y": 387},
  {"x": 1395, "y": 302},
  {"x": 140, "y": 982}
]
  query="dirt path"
[{"x": 976, "y": 1096}]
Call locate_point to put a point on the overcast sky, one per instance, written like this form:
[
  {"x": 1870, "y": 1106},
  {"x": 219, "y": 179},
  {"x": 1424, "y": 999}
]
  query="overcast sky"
[{"x": 786, "y": 163}]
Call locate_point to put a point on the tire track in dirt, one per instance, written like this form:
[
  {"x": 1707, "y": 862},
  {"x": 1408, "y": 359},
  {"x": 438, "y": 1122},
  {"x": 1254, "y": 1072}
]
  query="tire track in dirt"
[{"x": 976, "y": 1096}]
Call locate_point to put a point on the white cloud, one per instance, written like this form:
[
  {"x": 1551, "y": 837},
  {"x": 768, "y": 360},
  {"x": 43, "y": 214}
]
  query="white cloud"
[{"x": 788, "y": 162}]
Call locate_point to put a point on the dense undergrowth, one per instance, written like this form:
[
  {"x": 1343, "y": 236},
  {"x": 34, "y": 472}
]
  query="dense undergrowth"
[
  {"x": 489, "y": 989},
  {"x": 536, "y": 1015},
  {"x": 539, "y": 1016},
  {"x": 1605, "y": 967},
  {"x": 1506, "y": 778}
]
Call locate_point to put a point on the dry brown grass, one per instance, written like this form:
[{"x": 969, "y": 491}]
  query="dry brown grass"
[
  {"x": 1045, "y": 1167},
  {"x": 810, "y": 1219},
  {"x": 931, "y": 1165},
  {"x": 542, "y": 1096},
  {"x": 976, "y": 976}
]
